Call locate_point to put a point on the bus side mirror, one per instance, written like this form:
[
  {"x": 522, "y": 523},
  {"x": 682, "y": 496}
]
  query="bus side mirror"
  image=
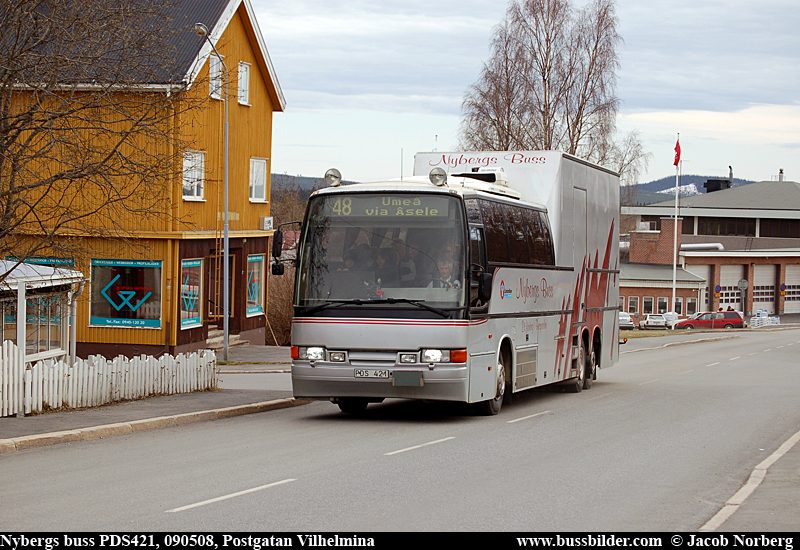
[
  {"x": 277, "y": 268},
  {"x": 485, "y": 288},
  {"x": 277, "y": 247}
]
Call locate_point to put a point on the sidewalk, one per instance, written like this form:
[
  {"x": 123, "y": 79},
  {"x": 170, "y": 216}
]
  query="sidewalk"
[{"x": 156, "y": 412}]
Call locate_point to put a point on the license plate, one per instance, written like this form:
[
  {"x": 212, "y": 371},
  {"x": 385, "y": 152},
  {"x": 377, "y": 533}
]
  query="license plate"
[{"x": 365, "y": 373}]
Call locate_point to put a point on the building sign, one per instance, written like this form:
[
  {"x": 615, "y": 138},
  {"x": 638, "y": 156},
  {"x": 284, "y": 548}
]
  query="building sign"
[
  {"x": 126, "y": 293},
  {"x": 255, "y": 286},
  {"x": 191, "y": 278}
]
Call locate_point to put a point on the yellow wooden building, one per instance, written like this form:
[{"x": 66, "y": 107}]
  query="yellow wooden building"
[{"x": 160, "y": 289}]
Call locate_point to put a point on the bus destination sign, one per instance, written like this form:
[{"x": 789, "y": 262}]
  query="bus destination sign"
[{"x": 389, "y": 206}]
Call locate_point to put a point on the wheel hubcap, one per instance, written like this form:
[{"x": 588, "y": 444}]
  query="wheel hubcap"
[{"x": 501, "y": 381}]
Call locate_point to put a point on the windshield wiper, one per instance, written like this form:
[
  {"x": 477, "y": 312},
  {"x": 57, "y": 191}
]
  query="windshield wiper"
[{"x": 359, "y": 302}]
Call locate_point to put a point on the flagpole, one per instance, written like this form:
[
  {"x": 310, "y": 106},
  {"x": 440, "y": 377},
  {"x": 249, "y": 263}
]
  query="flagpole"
[{"x": 675, "y": 225}]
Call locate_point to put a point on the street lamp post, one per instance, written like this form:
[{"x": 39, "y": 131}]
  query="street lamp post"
[{"x": 202, "y": 30}]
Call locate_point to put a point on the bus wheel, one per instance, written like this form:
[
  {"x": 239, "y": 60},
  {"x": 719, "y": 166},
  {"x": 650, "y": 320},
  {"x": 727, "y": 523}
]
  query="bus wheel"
[
  {"x": 352, "y": 405},
  {"x": 576, "y": 384},
  {"x": 588, "y": 378},
  {"x": 492, "y": 406}
]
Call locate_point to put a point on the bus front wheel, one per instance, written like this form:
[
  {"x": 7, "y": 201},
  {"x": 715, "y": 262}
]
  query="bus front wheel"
[
  {"x": 492, "y": 407},
  {"x": 576, "y": 384}
]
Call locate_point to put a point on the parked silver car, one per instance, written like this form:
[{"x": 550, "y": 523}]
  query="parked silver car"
[
  {"x": 625, "y": 321},
  {"x": 653, "y": 320}
]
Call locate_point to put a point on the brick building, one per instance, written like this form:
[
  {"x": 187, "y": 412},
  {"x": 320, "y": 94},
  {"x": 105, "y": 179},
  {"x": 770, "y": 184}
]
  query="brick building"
[{"x": 744, "y": 242}]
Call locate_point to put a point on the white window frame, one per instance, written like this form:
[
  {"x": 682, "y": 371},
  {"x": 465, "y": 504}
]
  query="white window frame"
[
  {"x": 215, "y": 82},
  {"x": 691, "y": 301},
  {"x": 194, "y": 166},
  {"x": 663, "y": 303},
  {"x": 644, "y": 305},
  {"x": 244, "y": 83},
  {"x": 254, "y": 162},
  {"x": 633, "y": 301}
]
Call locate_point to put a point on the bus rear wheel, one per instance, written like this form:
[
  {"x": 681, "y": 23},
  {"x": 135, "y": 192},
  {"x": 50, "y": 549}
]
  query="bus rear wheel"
[
  {"x": 576, "y": 384},
  {"x": 352, "y": 405}
]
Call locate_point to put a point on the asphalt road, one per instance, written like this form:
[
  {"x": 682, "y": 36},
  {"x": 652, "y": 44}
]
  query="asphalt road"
[{"x": 658, "y": 444}]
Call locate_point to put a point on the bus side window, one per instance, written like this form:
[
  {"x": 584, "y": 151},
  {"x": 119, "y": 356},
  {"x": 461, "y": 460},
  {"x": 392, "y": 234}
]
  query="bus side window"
[
  {"x": 517, "y": 238},
  {"x": 548, "y": 239},
  {"x": 495, "y": 226},
  {"x": 477, "y": 256}
]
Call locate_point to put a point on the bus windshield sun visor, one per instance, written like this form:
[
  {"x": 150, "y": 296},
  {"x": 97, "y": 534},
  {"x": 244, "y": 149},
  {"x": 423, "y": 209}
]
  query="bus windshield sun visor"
[{"x": 340, "y": 303}]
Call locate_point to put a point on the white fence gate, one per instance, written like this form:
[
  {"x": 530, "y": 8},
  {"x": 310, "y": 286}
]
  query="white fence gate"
[{"x": 97, "y": 380}]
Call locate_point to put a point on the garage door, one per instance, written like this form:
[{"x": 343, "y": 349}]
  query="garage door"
[
  {"x": 792, "y": 303},
  {"x": 730, "y": 295},
  {"x": 703, "y": 271},
  {"x": 764, "y": 287}
]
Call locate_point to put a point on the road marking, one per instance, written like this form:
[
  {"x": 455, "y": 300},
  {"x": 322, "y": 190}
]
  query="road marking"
[
  {"x": 418, "y": 446},
  {"x": 752, "y": 353},
  {"x": 599, "y": 396},
  {"x": 735, "y": 358},
  {"x": 529, "y": 416},
  {"x": 779, "y": 347},
  {"x": 650, "y": 382},
  {"x": 770, "y": 349},
  {"x": 686, "y": 371},
  {"x": 756, "y": 477},
  {"x": 712, "y": 364},
  {"x": 232, "y": 495}
]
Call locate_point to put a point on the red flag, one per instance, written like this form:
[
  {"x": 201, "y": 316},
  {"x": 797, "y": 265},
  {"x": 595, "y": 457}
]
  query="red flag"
[{"x": 677, "y": 152}]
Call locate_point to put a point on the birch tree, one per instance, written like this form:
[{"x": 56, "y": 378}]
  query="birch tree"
[{"x": 550, "y": 84}]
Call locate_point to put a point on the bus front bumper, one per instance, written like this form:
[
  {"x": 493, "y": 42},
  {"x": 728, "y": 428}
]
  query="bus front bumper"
[{"x": 327, "y": 380}]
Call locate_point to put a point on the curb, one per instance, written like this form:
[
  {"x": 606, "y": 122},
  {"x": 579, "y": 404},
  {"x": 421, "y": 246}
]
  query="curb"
[
  {"x": 669, "y": 344},
  {"x": 36, "y": 441}
]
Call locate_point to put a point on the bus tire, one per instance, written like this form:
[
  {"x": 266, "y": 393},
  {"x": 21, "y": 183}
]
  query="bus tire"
[
  {"x": 589, "y": 375},
  {"x": 576, "y": 384},
  {"x": 352, "y": 405},
  {"x": 492, "y": 407}
]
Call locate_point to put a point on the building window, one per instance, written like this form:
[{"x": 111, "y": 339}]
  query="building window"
[
  {"x": 647, "y": 304},
  {"x": 622, "y": 303},
  {"x": 215, "y": 77},
  {"x": 244, "y": 83},
  {"x": 743, "y": 227},
  {"x": 126, "y": 293},
  {"x": 787, "y": 229},
  {"x": 258, "y": 180},
  {"x": 678, "y": 306},
  {"x": 662, "y": 304},
  {"x": 191, "y": 295},
  {"x": 633, "y": 305},
  {"x": 691, "y": 306},
  {"x": 255, "y": 286},
  {"x": 193, "y": 174}
]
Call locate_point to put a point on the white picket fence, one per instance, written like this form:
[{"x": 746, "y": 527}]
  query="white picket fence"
[{"x": 97, "y": 380}]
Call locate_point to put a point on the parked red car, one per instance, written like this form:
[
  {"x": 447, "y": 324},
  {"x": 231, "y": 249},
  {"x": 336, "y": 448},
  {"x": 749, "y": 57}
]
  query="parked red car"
[{"x": 714, "y": 319}]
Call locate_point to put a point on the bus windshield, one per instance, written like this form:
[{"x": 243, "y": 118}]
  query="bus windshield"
[{"x": 393, "y": 250}]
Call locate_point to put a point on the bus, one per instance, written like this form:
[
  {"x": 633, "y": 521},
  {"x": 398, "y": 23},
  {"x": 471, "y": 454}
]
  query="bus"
[{"x": 482, "y": 275}]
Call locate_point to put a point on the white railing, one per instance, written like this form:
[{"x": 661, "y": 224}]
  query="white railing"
[{"x": 51, "y": 384}]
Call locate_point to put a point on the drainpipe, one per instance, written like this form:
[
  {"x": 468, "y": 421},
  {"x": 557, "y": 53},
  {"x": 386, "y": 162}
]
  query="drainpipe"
[{"x": 73, "y": 311}]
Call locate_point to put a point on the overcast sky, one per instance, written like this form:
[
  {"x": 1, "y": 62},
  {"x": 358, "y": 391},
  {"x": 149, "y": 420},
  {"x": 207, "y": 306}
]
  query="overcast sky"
[{"x": 370, "y": 82}]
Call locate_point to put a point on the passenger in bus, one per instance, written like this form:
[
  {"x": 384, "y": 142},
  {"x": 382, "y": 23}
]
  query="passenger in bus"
[
  {"x": 386, "y": 267},
  {"x": 446, "y": 278},
  {"x": 349, "y": 260},
  {"x": 406, "y": 268}
]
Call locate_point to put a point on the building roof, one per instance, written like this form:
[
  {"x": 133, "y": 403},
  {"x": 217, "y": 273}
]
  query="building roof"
[
  {"x": 655, "y": 272},
  {"x": 36, "y": 276},
  {"x": 773, "y": 198}
]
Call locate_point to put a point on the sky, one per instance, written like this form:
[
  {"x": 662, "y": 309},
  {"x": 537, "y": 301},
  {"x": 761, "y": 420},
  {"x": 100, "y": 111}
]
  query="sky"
[{"x": 370, "y": 83}]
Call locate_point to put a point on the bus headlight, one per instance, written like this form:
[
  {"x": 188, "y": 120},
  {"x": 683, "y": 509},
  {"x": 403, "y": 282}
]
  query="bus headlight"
[
  {"x": 314, "y": 353},
  {"x": 336, "y": 357},
  {"x": 444, "y": 356},
  {"x": 408, "y": 357},
  {"x": 435, "y": 356}
]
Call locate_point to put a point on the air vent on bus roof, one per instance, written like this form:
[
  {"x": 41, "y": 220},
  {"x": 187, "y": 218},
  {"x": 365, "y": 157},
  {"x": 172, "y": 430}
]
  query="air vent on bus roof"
[{"x": 499, "y": 177}]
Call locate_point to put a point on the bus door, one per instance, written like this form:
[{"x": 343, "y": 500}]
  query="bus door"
[{"x": 481, "y": 348}]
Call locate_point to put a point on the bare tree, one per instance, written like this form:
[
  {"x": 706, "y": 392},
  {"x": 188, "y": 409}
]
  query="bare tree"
[
  {"x": 90, "y": 95},
  {"x": 550, "y": 84}
]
